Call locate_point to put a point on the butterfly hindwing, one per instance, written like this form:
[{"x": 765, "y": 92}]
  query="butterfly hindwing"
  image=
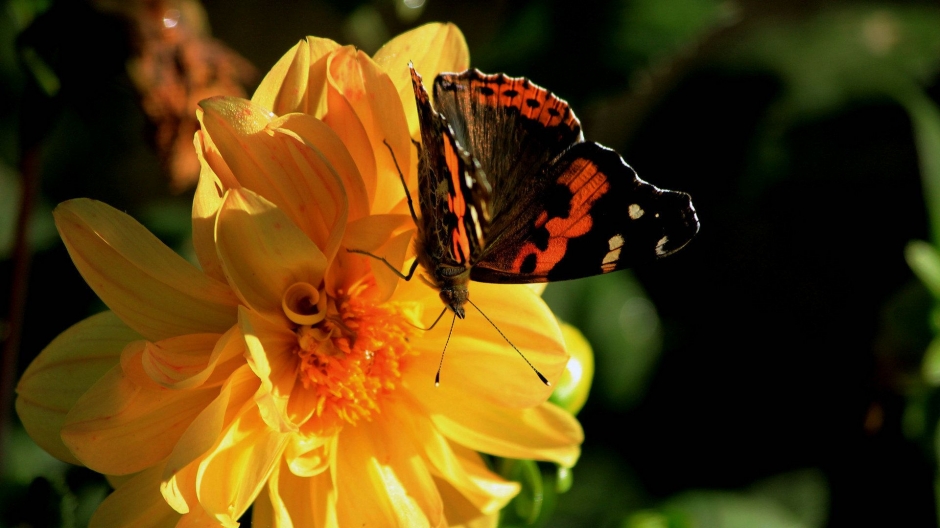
[{"x": 595, "y": 217}]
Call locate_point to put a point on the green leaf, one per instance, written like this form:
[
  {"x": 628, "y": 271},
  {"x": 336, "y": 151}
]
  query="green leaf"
[
  {"x": 924, "y": 260},
  {"x": 925, "y": 118}
]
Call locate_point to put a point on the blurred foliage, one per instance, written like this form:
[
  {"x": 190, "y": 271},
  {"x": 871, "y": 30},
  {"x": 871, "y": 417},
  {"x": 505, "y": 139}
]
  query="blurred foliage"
[{"x": 778, "y": 372}]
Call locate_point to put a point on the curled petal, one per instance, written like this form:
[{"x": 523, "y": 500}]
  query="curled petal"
[
  {"x": 263, "y": 253},
  {"x": 432, "y": 48},
  {"x": 307, "y": 456},
  {"x": 151, "y": 288},
  {"x": 71, "y": 363},
  {"x": 296, "y": 83}
]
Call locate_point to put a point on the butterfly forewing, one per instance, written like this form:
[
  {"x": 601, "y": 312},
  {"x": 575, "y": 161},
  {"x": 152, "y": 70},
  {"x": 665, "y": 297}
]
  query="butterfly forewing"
[
  {"x": 453, "y": 193},
  {"x": 512, "y": 127}
]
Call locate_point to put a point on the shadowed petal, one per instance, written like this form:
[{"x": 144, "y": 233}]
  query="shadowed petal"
[
  {"x": 119, "y": 427},
  {"x": 137, "y": 502},
  {"x": 301, "y": 501},
  {"x": 71, "y": 363},
  {"x": 151, "y": 288},
  {"x": 263, "y": 253}
]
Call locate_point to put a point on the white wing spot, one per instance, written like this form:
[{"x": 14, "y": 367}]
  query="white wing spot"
[
  {"x": 615, "y": 242},
  {"x": 659, "y": 246},
  {"x": 635, "y": 211},
  {"x": 468, "y": 179},
  {"x": 476, "y": 222}
]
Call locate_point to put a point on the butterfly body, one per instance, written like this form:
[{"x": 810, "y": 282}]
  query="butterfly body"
[{"x": 509, "y": 191}]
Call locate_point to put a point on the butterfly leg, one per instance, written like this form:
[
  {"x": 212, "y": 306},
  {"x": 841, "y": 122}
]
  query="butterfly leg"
[
  {"x": 401, "y": 176},
  {"x": 411, "y": 272}
]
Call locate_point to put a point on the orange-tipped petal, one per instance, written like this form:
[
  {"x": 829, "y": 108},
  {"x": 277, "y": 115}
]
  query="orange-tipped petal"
[
  {"x": 137, "y": 503},
  {"x": 479, "y": 359},
  {"x": 71, "y": 363},
  {"x": 381, "y": 481},
  {"x": 320, "y": 137},
  {"x": 279, "y": 166},
  {"x": 263, "y": 253},
  {"x": 373, "y": 97},
  {"x": 432, "y": 48},
  {"x": 151, "y": 288},
  {"x": 296, "y": 83}
]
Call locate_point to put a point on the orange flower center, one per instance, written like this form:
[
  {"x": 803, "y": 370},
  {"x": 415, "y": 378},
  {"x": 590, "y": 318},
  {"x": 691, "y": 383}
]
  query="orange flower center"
[{"x": 352, "y": 359}]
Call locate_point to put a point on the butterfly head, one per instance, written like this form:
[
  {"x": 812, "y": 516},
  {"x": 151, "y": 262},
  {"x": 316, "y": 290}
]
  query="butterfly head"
[{"x": 452, "y": 282}]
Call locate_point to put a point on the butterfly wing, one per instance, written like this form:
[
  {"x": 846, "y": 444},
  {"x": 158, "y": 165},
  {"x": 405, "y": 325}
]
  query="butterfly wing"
[
  {"x": 561, "y": 208},
  {"x": 512, "y": 127},
  {"x": 454, "y": 195},
  {"x": 596, "y": 216}
]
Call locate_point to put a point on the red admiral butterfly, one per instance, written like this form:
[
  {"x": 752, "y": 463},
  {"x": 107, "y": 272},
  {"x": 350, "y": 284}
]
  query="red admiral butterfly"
[{"x": 510, "y": 192}]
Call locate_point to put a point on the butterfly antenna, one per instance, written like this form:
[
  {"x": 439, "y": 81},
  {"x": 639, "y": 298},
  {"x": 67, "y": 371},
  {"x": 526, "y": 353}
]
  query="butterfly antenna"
[
  {"x": 531, "y": 366},
  {"x": 437, "y": 377}
]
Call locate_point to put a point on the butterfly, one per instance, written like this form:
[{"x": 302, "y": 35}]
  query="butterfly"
[{"x": 510, "y": 192}]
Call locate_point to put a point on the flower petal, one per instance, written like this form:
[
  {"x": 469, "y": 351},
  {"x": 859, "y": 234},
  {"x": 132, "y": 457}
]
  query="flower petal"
[
  {"x": 301, "y": 502},
  {"x": 248, "y": 449},
  {"x": 263, "y": 253},
  {"x": 432, "y": 48},
  {"x": 71, "y": 363},
  {"x": 545, "y": 432},
  {"x": 137, "y": 503},
  {"x": 119, "y": 427},
  {"x": 462, "y": 469},
  {"x": 479, "y": 359},
  {"x": 179, "y": 478},
  {"x": 188, "y": 361},
  {"x": 382, "y": 481},
  {"x": 151, "y": 288},
  {"x": 270, "y": 355},
  {"x": 374, "y": 98},
  {"x": 206, "y": 203},
  {"x": 279, "y": 166},
  {"x": 297, "y": 81},
  {"x": 320, "y": 137}
]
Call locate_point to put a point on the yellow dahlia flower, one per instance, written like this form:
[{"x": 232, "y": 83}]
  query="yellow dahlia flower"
[{"x": 288, "y": 373}]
